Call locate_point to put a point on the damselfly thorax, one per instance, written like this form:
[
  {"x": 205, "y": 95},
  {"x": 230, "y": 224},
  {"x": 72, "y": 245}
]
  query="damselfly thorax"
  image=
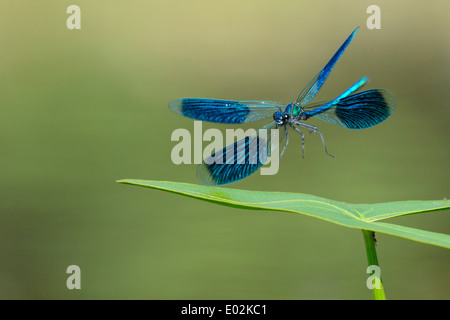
[{"x": 291, "y": 117}]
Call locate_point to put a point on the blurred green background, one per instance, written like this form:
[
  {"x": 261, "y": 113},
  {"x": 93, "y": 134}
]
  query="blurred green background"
[{"x": 83, "y": 108}]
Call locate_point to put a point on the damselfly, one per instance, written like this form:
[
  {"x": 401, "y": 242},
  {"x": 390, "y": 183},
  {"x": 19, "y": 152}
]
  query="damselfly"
[{"x": 352, "y": 111}]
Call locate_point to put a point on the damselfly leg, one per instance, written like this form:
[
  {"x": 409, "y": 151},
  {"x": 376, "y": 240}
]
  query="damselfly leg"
[
  {"x": 303, "y": 139},
  {"x": 313, "y": 129},
  {"x": 287, "y": 141}
]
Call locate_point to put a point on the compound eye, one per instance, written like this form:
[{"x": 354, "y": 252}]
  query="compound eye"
[{"x": 274, "y": 116}]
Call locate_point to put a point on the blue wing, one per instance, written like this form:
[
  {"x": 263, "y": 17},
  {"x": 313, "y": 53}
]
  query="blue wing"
[
  {"x": 310, "y": 91},
  {"x": 241, "y": 159},
  {"x": 224, "y": 111},
  {"x": 359, "y": 111}
]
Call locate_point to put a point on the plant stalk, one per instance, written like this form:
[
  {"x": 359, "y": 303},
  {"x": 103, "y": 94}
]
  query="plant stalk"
[{"x": 374, "y": 268}]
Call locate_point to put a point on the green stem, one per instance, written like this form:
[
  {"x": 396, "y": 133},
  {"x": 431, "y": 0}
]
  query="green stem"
[{"x": 369, "y": 241}]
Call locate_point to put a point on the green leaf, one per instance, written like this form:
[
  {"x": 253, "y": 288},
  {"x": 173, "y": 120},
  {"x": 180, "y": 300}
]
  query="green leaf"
[{"x": 360, "y": 216}]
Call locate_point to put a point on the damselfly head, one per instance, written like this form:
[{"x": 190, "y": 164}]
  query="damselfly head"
[{"x": 280, "y": 117}]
